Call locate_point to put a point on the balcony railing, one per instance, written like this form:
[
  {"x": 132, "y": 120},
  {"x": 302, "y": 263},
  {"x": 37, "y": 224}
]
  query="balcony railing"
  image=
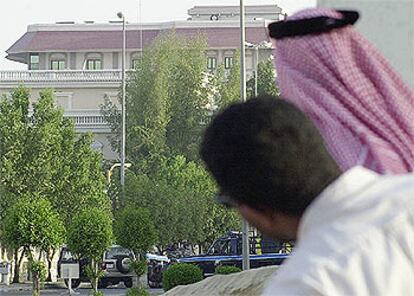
[
  {"x": 87, "y": 119},
  {"x": 61, "y": 76}
]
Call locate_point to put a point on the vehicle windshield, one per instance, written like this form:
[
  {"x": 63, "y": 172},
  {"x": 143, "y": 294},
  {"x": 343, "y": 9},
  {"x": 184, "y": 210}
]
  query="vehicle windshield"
[
  {"x": 66, "y": 255},
  {"x": 117, "y": 252}
]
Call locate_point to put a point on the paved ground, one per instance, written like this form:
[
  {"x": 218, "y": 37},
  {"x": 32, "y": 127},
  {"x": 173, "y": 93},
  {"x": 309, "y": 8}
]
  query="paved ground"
[{"x": 84, "y": 290}]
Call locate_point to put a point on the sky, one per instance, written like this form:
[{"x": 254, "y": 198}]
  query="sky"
[{"x": 16, "y": 15}]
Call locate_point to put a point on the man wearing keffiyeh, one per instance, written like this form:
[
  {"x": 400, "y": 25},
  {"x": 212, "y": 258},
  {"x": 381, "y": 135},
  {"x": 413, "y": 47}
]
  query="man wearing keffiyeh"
[
  {"x": 361, "y": 106},
  {"x": 354, "y": 229}
]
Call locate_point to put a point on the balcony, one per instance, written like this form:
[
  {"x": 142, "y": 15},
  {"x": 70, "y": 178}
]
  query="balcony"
[
  {"x": 110, "y": 78},
  {"x": 88, "y": 121}
]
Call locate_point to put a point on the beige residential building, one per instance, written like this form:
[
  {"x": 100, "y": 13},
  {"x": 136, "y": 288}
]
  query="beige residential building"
[{"x": 82, "y": 61}]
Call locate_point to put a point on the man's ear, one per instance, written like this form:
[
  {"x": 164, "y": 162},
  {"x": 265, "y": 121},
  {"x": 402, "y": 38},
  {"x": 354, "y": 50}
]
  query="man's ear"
[{"x": 264, "y": 219}]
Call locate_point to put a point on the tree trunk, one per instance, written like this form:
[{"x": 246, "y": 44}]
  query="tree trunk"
[
  {"x": 96, "y": 276},
  {"x": 36, "y": 284},
  {"x": 159, "y": 249},
  {"x": 17, "y": 263},
  {"x": 35, "y": 274},
  {"x": 49, "y": 256}
]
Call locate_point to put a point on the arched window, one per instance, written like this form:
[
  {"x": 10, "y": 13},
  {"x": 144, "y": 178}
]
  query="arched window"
[
  {"x": 58, "y": 61},
  {"x": 93, "y": 61},
  {"x": 97, "y": 146}
]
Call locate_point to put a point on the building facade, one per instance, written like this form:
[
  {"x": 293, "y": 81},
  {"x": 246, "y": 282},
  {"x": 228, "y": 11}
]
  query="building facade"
[{"x": 82, "y": 62}]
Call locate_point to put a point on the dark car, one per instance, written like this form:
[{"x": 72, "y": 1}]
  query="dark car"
[{"x": 227, "y": 250}]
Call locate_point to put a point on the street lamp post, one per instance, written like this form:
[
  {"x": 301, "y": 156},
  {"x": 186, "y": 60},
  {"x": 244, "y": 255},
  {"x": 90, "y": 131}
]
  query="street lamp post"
[
  {"x": 257, "y": 47},
  {"x": 141, "y": 35},
  {"x": 245, "y": 230},
  {"x": 256, "y": 70},
  {"x": 115, "y": 199},
  {"x": 123, "y": 111},
  {"x": 109, "y": 174}
]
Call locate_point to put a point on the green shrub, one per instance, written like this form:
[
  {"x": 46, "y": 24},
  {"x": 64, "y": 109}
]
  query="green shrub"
[
  {"x": 227, "y": 269},
  {"x": 137, "y": 291},
  {"x": 181, "y": 274},
  {"x": 139, "y": 267},
  {"x": 39, "y": 268}
]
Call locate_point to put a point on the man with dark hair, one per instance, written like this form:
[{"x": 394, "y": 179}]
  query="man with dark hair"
[{"x": 354, "y": 230}]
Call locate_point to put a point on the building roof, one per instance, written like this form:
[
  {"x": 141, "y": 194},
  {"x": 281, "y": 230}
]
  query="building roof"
[
  {"x": 90, "y": 37},
  {"x": 250, "y": 9}
]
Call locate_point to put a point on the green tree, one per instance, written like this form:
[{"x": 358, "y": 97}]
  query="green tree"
[
  {"x": 32, "y": 224},
  {"x": 229, "y": 84},
  {"x": 180, "y": 200},
  {"x": 79, "y": 182},
  {"x": 166, "y": 99},
  {"x": 266, "y": 80},
  {"x": 40, "y": 155},
  {"x": 170, "y": 99},
  {"x": 14, "y": 127},
  {"x": 135, "y": 230},
  {"x": 89, "y": 236}
]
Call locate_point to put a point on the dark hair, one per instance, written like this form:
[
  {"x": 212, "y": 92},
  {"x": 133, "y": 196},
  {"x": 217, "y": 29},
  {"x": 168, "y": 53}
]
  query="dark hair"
[{"x": 266, "y": 153}]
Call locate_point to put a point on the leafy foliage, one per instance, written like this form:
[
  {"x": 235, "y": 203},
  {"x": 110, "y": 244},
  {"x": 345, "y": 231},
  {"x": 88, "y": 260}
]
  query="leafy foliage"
[
  {"x": 89, "y": 236},
  {"x": 40, "y": 155},
  {"x": 32, "y": 223},
  {"x": 39, "y": 268},
  {"x": 181, "y": 274},
  {"x": 137, "y": 291},
  {"x": 139, "y": 267},
  {"x": 135, "y": 230},
  {"x": 170, "y": 99},
  {"x": 266, "y": 80},
  {"x": 166, "y": 116},
  {"x": 229, "y": 84},
  {"x": 227, "y": 269},
  {"x": 180, "y": 200}
]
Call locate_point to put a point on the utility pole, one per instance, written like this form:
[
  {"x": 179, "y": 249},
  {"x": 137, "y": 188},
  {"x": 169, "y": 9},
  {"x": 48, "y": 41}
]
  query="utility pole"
[
  {"x": 140, "y": 28},
  {"x": 245, "y": 230},
  {"x": 123, "y": 108}
]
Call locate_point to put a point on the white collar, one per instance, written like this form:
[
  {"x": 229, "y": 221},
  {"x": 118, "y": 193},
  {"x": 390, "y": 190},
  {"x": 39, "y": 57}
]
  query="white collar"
[{"x": 326, "y": 206}]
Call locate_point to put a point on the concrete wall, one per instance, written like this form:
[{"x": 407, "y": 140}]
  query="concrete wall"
[
  {"x": 389, "y": 24},
  {"x": 78, "y": 99}
]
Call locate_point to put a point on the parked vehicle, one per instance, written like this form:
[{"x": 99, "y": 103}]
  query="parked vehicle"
[
  {"x": 227, "y": 251},
  {"x": 115, "y": 264},
  {"x": 156, "y": 266},
  {"x": 116, "y": 267}
]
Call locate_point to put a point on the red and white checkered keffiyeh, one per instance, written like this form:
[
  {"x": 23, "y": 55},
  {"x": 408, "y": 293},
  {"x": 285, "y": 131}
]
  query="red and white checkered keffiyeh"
[{"x": 361, "y": 106}]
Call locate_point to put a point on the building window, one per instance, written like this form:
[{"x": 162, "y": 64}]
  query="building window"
[
  {"x": 34, "y": 61},
  {"x": 93, "y": 64},
  {"x": 135, "y": 63},
  {"x": 58, "y": 65},
  {"x": 228, "y": 62},
  {"x": 211, "y": 63}
]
